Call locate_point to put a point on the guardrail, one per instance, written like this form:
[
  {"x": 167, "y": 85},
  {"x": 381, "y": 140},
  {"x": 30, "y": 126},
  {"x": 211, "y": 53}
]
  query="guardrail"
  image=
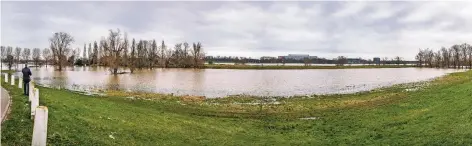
[{"x": 38, "y": 113}]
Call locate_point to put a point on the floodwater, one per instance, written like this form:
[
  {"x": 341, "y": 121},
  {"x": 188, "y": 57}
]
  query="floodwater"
[{"x": 223, "y": 82}]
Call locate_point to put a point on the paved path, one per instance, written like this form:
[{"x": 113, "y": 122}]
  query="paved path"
[{"x": 5, "y": 100}]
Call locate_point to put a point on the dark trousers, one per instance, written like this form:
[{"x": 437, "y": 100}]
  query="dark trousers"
[{"x": 26, "y": 87}]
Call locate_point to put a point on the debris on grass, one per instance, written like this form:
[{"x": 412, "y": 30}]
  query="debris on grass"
[{"x": 309, "y": 118}]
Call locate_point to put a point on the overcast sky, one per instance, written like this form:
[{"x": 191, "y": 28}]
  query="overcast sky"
[{"x": 253, "y": 29}]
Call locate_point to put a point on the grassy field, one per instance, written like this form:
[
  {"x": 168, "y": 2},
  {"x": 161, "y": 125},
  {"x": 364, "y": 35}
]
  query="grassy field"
[
  {"x": 429, "y": 113},
  {"x": 225, "y": 66}
]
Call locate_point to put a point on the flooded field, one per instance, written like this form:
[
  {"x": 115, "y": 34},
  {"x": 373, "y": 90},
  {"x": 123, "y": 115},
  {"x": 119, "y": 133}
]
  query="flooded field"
[{"x": 222, "y": 82}]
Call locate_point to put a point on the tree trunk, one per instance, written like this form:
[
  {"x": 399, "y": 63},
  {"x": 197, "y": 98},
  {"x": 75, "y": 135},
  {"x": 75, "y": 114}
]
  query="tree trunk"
[{"x": 115, "y": 71}]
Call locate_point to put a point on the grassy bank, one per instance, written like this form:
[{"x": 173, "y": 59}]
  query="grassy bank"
[
  {"x": 434, "y": 113},
  {"x": 225, "y": 66}
]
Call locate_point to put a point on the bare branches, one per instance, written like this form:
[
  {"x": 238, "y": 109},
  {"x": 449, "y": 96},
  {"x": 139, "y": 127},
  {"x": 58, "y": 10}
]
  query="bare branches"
[
  {"x": 36, "y": 56},
  {"x": 47, "y": 56},
  {"x": 457, "y": 56},
  {"x": 59, "y": 44},
  {"x": 26, "y": 55}
]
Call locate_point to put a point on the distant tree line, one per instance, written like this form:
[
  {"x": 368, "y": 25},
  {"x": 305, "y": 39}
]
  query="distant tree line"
[
  {"x": 456, "y": 56},
  {"x": 114, "y": 51},
  {"x": 340, "y": 60}
]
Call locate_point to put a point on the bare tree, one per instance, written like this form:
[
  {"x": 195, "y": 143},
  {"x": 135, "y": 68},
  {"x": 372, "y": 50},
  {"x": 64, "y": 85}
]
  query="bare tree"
[
  {"x": 456, "y": 55},
  {"x": 113, "y": 46},
  {"x": 17, "y": 56},
  {"x": 384, "y": 60},
  {"x": 60, "y": 43},
  {"x": 341, "y": 60},
  {"x": 84, "y": 56},
  {"x": 306, "y": 61},
  {"x": 398, "y": 60},
  {"x": 420, "y": 58},
  {"x": 464, "y": 57},
  {"x": 469, "y": 52},
  {"x": 36, "y": 56},
  {"x": 163, "y": 55},
  {"x": 429, "y": 57},
  {"x": 3, "y": 49},
  {"x": 132, "y": 60},
  {"x": 437, "y": 59},
  {"x": 198, "y": 56},
  {"x": 9, "y": 57},
  {"x": 446, "y": 56},
  {"x": 47, "y": 56},
  {"x": 26, "y": 55},
  {"x": 187, "y": 59},
  {"x": 95, "y": 53},
  {"x": 90, "y": 54},
  {"x": 74, "y": 54}
]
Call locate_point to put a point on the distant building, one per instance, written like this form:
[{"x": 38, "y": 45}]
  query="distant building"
[
  {"x": 297, "y": 57},
  {"x": 354, "y": 60},
  {"x": 376, "y": 60},
  {"x": 267, "y": 58}
]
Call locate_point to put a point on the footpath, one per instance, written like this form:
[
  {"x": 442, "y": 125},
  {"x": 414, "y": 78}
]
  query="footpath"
[{"x": 5, "y": 103}]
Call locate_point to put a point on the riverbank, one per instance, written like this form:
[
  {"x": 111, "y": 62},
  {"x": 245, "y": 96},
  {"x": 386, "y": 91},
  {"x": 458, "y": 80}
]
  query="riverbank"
[
  {"x": 428, "y": 113},
  {"x": 226, "y": 66}
]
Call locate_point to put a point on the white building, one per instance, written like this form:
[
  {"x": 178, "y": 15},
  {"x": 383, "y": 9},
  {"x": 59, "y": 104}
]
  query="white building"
[{"x": 298, "y": 56}]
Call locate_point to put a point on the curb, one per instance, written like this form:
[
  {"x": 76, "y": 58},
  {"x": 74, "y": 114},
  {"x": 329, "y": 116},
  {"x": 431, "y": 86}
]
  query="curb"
[{"x": 7, "y": 111}]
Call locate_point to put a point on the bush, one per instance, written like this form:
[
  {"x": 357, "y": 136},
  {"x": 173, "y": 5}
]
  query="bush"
[{"x": 79, "y": 62}]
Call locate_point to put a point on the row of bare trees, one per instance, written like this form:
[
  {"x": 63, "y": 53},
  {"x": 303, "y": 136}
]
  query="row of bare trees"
[
  {"x": 457, "y": 56},
  {"x": 19, "y": 55},
  {"x": 114, "y": 51}
]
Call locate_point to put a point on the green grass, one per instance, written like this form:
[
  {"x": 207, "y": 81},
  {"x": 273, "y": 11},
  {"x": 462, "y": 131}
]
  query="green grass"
[
  {"x": 225, "y": 66},
  {"x": 439, "y": 113}
]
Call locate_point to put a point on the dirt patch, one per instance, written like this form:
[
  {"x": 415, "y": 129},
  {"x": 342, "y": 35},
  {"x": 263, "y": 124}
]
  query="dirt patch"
[{"x": 188, "y": 98}]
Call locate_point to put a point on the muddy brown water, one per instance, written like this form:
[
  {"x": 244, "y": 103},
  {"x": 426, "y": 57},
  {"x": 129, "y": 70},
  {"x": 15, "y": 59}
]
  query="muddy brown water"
[{"x": 223, "y": 82}]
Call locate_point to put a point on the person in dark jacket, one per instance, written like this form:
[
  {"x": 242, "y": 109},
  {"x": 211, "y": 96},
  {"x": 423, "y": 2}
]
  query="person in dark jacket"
[{"x": 26, "y": 79}]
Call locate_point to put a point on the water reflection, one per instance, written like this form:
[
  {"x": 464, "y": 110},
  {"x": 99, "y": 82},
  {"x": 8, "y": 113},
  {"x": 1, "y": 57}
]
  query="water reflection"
[{"x": 222, "y": 82}]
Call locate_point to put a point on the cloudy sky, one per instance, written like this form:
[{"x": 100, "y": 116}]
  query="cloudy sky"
[{"x": 253, "y": 29}]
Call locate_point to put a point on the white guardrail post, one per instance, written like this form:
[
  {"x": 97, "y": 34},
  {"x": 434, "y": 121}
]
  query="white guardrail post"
[
  {"x": 13, "y": 80},
  {"x": 40, "y": 126},
  {"x": 30, "y": 90},
  {"x": 20, "y": 82},
  {"x": 34, "y": 102},
  {"x": 6, "y": 78}
]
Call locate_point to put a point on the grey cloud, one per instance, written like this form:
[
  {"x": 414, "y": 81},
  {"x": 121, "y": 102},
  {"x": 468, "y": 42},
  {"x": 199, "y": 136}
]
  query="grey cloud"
[{"x": 326, "y": 29}]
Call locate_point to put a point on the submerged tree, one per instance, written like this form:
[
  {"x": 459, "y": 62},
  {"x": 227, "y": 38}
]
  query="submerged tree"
[
  {"x": 26, "y": 55},
  {"x": 47, "y": 56},
  {"x": 17, "y": 56},
  {"x": 9, "y": 57},
  {"x": 113, "y": 47},
  {"x": 59, "y": 44},
  {"x": 36, "y": 56}
]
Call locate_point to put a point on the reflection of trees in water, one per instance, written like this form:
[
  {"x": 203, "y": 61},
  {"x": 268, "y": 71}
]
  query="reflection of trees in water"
[
  {"x": 198, "y": 76},
  {"x": 113, "y": 82},
  {"x": 59, "y": 79}
]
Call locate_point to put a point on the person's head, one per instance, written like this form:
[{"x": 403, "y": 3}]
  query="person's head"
[{"x": 26, "y": 65}]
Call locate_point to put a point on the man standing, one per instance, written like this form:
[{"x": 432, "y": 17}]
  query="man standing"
[{"x": 26, "y": 79}]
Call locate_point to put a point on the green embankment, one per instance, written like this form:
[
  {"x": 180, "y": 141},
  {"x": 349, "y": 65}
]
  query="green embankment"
[
  {"x": 225, "y": 66},
  {"x": 433, "y": 113}
]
